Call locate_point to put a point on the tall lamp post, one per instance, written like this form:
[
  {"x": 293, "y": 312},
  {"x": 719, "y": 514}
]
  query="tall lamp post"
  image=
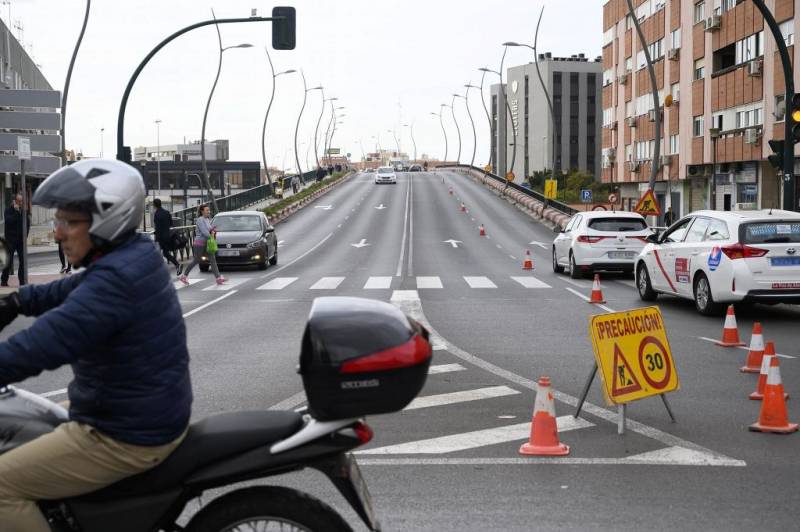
[
  {"x": 331, "y": 123},
  {"x": 469, "y": 86},
  {"x": 316, "y": 129},
  {"x": 458, "y": 130},
  {"x": 205, "y": 116},
  {"x": 396, "y": 141},
  {"x": 492, "y": 162},
  {"x": 439, "y": 114},
  {"x": 158, "y": 152},
  {"x": 713, "y": 132},
  {"x": 102, "y": 129},
  {"x": 266, "y": 116},
  {"x": 63, "y": 153},
  {"x": 297, "y": 127},
  {"x": 508, "y": 111},
  {"x": 411, "y": 127}
]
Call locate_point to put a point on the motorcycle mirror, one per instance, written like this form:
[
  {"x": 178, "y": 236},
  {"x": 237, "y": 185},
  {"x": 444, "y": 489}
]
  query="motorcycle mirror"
[{"x": 4, "y": 257}]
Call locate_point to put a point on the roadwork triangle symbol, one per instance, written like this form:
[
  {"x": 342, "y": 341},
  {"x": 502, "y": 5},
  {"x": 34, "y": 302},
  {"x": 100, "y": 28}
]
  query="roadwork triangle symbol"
[
  {"x": 648, "y": 206},
  {"x": 624, "y": 381}
]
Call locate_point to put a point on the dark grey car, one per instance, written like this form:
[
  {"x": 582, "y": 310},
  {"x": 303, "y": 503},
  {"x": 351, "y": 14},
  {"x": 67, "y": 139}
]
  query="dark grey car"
[{"x": 244, "y": 238}]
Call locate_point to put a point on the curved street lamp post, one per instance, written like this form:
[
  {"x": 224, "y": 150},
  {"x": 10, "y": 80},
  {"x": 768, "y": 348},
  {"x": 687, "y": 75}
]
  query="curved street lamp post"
[
  {"x": 411, "y": 127},
  {"x": 297, "y": 127},
  {"x": 266, "y": 116},
  {"x": 492, "y": 161},
  {"x": 444, "y": 132},
  {"x": 469, "y": 86}
]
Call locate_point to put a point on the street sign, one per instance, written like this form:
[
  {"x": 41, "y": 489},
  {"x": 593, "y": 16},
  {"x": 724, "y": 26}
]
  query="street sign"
[
  {"x": 632, "y": 351},
  {"x": 24, "y": 148},
  {"x": 550, "y": 188},
  {"x": 586, "y": 196},
  {"x": 648, "y": 205},
  {"x": 510, "y": 176},
  {"x": 612, "y": 198},
  {"x": 334, "y": 151}
]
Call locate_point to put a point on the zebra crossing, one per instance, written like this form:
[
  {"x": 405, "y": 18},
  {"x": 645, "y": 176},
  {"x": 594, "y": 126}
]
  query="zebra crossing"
[{"x": 383, "y": 282}]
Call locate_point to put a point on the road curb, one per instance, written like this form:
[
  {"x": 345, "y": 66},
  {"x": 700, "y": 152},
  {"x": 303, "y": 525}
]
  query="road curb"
[{"x": 286, "y": 212}]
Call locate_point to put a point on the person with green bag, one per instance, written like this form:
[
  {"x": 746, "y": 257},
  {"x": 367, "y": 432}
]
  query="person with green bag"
[{"x": 205, "y": 243}]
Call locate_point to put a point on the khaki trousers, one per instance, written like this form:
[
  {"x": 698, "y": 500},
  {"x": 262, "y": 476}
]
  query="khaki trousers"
[{"x": 72, "y": 460}]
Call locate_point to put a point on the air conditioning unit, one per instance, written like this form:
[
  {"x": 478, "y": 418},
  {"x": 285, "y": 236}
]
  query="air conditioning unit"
[
  {"x": 673, "y": 54},
  {"x": 651, "y": 115},
  {"x": 712, "y": 23},
  {"x": 622, "y": 79},
  {"x": 630, "y": 121},
  {"x": 751, "y": 136},
  {"x": 666, "y": 160},
  {"x": 614, "y": 125},
  {"x": 633, "y": 166},
  {"x": 754, "y": 67},
  {"x": 697, "y": 170}
]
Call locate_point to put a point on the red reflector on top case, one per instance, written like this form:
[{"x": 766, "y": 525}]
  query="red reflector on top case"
[{"x": 411, "y": 353}]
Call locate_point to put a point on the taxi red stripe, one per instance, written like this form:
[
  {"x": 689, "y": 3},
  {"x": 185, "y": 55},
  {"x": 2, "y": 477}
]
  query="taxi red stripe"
[{"x": 661, "y": 266}]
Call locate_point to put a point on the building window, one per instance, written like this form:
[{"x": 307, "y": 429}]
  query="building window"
[
  {"x": 675, "y": 91},
  {"x": 628, "y": 152},
  {"x": 608, "y": 116},
  {"x": 608, "y": 75},
  {"x": 697, "y": 126},
  {"x": 629, "y": 64},
  {"x": 749, "y": 48},
  {"x": 674, "y": 144},
  {"x": 675, "y": 39},
  {"x": 699, "y": 12},
  {"x": 628, "y": 109},
  {"x": 656, "y": 50},
  {"x": 749, "y": 118},
  {"x": 787, "y": 30},
  {"x": 699, "y": 69},
  {"x": 641, "y": 60},
  {"x": 780, "y": 108},
  {"x": 727, "y": 5}
]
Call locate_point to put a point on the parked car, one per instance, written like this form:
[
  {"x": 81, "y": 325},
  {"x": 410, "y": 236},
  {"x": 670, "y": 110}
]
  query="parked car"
[
  {"x": 415, "y": 168},
  {"x": 370, "y": 170},
  {"x": 385, "y": 174},
  {"x": 599, "y": 240},
  {"x": 719, "y": 257},
  {"x": 244, "y": 238}
]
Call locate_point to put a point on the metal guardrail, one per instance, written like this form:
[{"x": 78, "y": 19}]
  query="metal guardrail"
[{"x": 553, "y": 204}]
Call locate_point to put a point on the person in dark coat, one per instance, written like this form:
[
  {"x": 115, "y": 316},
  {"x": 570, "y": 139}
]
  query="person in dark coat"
[
  {"x": 163, "y": 223},
  {"x": 669, "y": 216},
  {"x": 320, "y": 173},
  {"x": 13, "y": 235}
]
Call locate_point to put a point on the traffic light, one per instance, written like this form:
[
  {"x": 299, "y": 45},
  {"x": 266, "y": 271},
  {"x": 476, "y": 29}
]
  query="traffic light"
[
  {"x": 795, "y": 117},
  {"x": 284, "y": 23},
  {"x": 776, "y": 160}
]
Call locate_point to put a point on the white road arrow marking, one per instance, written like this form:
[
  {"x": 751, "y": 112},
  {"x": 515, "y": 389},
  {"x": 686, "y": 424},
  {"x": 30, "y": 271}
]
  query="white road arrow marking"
[
  {"x": 453, "y": 243},
  {"x": 280, "y": 243},
  {"x": 360, "y": 244},
  {"x": 540, "y": 244},
  {"x": 381, "y": 207},
  {"x": 324, "y": 207}
]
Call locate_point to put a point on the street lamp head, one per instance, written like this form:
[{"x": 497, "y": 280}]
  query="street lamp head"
[
  {"x": 511, "y": 43},
  {"x": 484, "y": 69},
  {"x": 471, "y": 86},
  {"x": 457, "y": 95},
  {"x": 243, "y": 45},
  {"x": 317, "y": 88},
  {"x": 290, "y": 71}
]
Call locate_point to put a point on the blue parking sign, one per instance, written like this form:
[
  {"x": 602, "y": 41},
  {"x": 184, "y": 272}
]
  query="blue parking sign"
[{"x": 586, "y": 196}]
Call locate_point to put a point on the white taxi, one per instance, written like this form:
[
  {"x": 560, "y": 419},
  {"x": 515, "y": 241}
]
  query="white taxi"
[
  {"x": 718, "y": 257},
  {"x": 599, "y": 240}
]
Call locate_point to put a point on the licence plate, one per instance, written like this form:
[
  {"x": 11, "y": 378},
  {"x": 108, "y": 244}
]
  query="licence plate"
[
  {"x": 621, "y": 254},
  {"x": 784, "y": 261},
  {"x": 228, "y": 252}
]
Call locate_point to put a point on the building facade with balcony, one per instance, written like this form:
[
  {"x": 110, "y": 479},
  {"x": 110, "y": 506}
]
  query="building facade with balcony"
[{"x": 721, "y": 70}]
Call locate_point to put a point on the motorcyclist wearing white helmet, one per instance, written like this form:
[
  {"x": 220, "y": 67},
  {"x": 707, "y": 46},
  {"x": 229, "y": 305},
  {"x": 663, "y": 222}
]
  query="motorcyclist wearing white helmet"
[{"x": 119, "y": 325}]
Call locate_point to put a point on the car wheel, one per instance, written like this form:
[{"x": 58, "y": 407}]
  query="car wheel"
[
  {"x": 646, "y": 292},
  {"x": 556, "y": 267},
  {"x": 574, "y": 271},
  {"x": 204, "y": 267},
  {"x": 274, "y": 259},
  {"x": 703, "y": 299}
]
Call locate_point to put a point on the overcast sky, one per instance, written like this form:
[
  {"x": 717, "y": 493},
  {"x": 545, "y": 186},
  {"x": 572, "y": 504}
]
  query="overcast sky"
[{"x": 389, "y": 62}]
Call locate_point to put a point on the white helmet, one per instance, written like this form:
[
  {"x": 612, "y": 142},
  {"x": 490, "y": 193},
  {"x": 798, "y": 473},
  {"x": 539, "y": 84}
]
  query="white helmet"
[{"x": 112, "y": 191}]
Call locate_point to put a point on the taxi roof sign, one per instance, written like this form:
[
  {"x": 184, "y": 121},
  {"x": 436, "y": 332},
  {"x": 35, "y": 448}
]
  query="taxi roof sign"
[
  {"x": 633, "y": 354},
  {"x": 648, "y": 206}
]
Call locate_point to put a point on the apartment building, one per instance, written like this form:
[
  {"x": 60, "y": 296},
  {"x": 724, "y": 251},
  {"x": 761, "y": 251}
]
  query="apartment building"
[{"x": 724, "y": 77}]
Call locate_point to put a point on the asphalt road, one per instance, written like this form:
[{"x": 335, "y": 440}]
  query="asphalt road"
[{"x": 450, "y": 462}]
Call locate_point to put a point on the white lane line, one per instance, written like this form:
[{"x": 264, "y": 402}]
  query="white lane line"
[
  {"x": 460, "y": 397},
  {"x": 439, "y": 348},
  {"x": 585, "y": 298},
  {"x": 405, "y": 234},
  {"x": 531, "y": 282},
  {"x": 741, "y": 347},
  {"x": 290, "y": 402},
  {"x": 410, "y": 267},
  {"x": 327, "y": 283},
  {"x": 477, "y": 438},
  {"x": 229, "y": 284},
  {"x": 279, "y": 283},
  {"x": 479, "y": 282},
  {"x": 201, "y": 307},
  {"x": 318, "y": 244},
  {"x": 629, "y": 284},
  {"x": 178, "y": 285},
  {"x": 499, "y": 246},
  {"x": 408, "y": 301},
  {"x": 429, "y": 282},
  {"x": 378, "y": 282},
  {"x": 513, "y": 257},
  {"x": 445, "y": 368},
  {"x": 575, "y": 283},
  {"x": 54, "y": 392}
]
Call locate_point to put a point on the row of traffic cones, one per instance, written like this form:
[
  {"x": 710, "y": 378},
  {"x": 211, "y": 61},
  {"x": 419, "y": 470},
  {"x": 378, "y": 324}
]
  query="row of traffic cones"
[{"x": 761, "y": 359}]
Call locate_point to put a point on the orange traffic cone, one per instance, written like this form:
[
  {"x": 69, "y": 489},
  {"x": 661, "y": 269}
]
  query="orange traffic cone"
[
  {"x": 481, "y": 231},
  {"x": 527, "y": 264},
  {"x": 766, "y": 360},
  {"x": 756, "y": 352},
  {"x": 730, "y": 332},
  {"x": 544, "y": 431},
  {"x": 773, "y": 416},
  {"x": 597, "y": 293},
  {"x": 463, "y": 207}
]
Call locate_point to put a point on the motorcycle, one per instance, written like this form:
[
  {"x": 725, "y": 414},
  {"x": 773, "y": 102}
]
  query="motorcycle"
[{"x": 358, "y": 357}]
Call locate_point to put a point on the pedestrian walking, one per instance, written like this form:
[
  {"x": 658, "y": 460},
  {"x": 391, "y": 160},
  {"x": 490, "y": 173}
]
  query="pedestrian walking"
[
  {"x": 66, "y": 267},
  {"x": 669, "y": 216},
  {"x": 163, "y": 222},
  {"x": 320, "y": 174},
  {"x": 13, "y": 234},
  {"x": 204, "y": 233}
]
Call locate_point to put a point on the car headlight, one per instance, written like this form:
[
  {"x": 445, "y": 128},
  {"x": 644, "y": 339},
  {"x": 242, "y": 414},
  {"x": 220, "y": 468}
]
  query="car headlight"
[{"x": 255, "y": 244}]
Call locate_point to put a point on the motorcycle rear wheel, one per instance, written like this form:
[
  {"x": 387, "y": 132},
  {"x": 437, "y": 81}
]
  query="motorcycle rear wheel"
[{"x": 267, "y": 508}]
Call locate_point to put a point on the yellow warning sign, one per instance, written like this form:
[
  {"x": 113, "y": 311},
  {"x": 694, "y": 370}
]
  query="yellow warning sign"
[
  {"x": 648, "y": 205},
  {"x": 632, "y": 352},
  {"x": 550, "y": 188}
]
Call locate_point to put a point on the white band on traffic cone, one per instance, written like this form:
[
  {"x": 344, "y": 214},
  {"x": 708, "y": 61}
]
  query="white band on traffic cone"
[
  {"x": 774, "y": 376},
  {"x": 757, "y": 343},
  {"x": 543, "y": 402}
]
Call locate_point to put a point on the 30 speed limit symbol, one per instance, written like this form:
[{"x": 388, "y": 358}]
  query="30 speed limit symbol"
[{"x": 655, "y": 363}]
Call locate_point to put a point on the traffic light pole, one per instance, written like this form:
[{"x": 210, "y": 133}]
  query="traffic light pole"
[{"x": 789, "y": 187}]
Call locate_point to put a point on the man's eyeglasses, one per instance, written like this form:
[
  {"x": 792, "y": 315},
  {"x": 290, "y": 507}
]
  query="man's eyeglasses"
[{"x": 59, "y": 223}]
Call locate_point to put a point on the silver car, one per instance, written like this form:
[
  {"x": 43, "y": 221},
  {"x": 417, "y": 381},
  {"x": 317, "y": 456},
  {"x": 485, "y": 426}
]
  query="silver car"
[{"x": 244, "y": 238}]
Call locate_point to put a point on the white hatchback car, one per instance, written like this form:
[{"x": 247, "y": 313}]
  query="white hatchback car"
[
  {"x": 599, "y": 240},
  {"x": 718, "y": 257},
  {"x": 385, "y": 174}
]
